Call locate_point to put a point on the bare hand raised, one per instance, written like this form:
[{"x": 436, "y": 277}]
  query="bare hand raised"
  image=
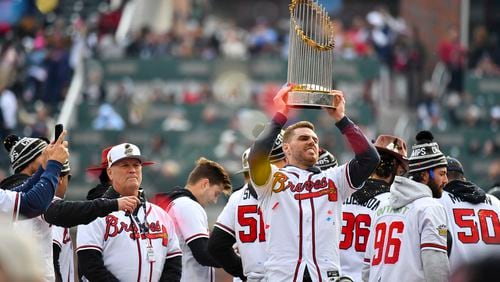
[
  {"x": 338, "y": 112},
  {"x": 280, "y": 99},
  {"x": 58, "y": 151},
  {"x": 128, "y": 204}
]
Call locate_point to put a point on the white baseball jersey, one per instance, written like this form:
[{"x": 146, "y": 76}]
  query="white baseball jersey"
[
  {"x": 243, "y": 219},
  {"x": 399, "y": 235},
  {"x": 302, "y": 212},
  {"x": 475, "y": 229},
  {"x": 356, "y": 226},
  {"x": 191, "y": 223},
  {"x": 129, "y": 253},
  {"x": 41, "y": 232},
  {"x": 62, "y": 238},
  {"x": 9, "y": 205}
]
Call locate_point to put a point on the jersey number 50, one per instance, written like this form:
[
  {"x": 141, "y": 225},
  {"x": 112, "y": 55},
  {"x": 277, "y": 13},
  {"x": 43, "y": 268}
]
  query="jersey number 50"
[
  {"x": 246, "y": 218},
  {"x": 387, "y": 250},
  {"x": 489, "y": 235},
  {"x": 356, "y": 227}
]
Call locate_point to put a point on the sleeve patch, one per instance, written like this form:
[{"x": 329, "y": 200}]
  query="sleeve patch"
[{"x": 442, "y": 230}]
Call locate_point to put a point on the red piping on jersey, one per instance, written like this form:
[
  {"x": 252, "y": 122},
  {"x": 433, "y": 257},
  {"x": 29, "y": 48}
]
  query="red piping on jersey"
[
  {"x": 150, "y": 265},
  {"x": 299, "y": 260},
  {"x": 349, "y": 177},
  {"x": 314, "y": 239},
  {"x": 140, "y": 258},
  {"x": 225, "y": 228},
  {"x": 196, "y": 235},
  {"x": 174, "y": 254},
  {"x": 149, "y": 210},
  {"x": 431, "y": 245},
  {"x": 16, "y": 206},
  {"x": 89, "y": 247},
  {"x": 57, "y": 243}
]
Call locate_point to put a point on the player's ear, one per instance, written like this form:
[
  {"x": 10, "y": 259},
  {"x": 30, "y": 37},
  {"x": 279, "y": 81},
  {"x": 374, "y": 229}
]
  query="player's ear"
[
  {"x": 205, "y": 183},
  {"x": 286, "y": 147},
  {"x": 110, "y": 173},
  {"x": 425, "y": 177}
]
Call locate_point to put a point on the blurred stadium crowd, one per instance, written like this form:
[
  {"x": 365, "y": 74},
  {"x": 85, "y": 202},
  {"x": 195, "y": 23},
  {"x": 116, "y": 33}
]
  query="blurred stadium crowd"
[{"x": 38, "y": 54}]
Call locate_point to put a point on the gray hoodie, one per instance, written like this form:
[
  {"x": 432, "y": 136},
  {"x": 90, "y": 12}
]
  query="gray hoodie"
[{"x": 405, "y": 191}]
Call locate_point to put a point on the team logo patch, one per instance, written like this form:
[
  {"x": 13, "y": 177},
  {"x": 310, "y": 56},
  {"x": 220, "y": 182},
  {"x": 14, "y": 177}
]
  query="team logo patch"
[
  {"x": 442, "y": 230},
  {"x": 128, "y": 150}
]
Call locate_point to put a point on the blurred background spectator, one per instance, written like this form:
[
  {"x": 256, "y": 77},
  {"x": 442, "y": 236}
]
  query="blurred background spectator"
[{"x": 180, "y": 77}]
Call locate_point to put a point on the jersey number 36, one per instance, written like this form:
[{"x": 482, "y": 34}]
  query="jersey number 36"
[{"x": 357, "y": 229}]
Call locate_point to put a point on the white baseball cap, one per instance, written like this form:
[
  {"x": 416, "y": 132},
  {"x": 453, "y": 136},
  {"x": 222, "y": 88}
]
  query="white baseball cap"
[
  {"x": 125, "y": 151},
  {"x": 244, "y": 162}
]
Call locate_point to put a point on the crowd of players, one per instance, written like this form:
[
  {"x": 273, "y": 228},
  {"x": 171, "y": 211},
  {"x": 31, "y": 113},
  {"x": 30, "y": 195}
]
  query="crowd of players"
[{"x": 385, "y": 215}]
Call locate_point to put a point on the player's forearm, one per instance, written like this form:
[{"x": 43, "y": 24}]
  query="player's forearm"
[
  {"x": 199, "y": 248},
  {"x": 72, "y": 213},
  {"x": 436, "y": 266},
  {"x": 32, "y": 180},
  {"x": 258, "y": 159},
  {"x": 56, "y": 250},
  {"x": 220, "y": 247},
  {"x": 172, "y": 270},
  {"x": 37, "y": 199},
  {"x": 91, "y": 265},
  {"x": 366, "y": 157}
]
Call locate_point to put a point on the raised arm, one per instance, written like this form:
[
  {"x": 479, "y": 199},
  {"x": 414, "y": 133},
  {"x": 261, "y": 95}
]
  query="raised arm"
[
  {"x": 25, "y": 187},
  {"x": 35, "y": 201},
  {"x": 366, "y": 157},
  {"x": 258, "y": 159}
]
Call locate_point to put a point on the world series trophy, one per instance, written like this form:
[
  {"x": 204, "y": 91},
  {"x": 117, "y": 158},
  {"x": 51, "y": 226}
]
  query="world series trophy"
[{"x": 310, "y": 57}]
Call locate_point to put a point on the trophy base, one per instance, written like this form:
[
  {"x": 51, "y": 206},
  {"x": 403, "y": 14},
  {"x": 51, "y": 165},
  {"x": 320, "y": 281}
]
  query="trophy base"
[{"x": 310, "y": 99}]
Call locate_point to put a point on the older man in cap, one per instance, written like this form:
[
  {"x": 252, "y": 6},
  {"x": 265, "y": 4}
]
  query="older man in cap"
[
  {"x": 473, "y": 218},
  {"x": 408, "y": 241},
  {"x": 140, "y": 245}
]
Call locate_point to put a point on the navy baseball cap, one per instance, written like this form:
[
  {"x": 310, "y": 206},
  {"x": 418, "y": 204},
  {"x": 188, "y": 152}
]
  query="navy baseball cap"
[{"x": 454, "y": 165}]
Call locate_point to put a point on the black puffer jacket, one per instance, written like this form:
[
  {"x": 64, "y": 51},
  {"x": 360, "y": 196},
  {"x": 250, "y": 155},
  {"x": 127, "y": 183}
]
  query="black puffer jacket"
[
  {"x": 13, "y": 181},
  {"x": 466, "y": 191}
]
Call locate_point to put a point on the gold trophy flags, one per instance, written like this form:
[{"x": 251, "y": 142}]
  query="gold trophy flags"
[{"x": 310, "y": 55}]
